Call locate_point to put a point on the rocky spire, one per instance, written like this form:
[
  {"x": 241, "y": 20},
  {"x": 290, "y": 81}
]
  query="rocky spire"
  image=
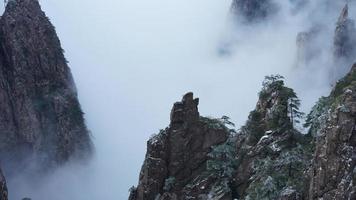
[
  {"x": 269, "y": 143},
  {"x": 345, "y": 38},
  {"x": 185, "y": 111},
  {"x": 177, "y": 156},
  {"x": 344, "y": 15},
  {"x": 308, "y": 47},
  {"x": 41, "y": 117}
]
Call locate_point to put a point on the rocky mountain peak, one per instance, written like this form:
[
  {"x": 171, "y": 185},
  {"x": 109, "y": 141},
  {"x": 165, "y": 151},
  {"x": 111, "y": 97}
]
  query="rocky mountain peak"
[
  {"x": 307, "y": 44},
  {"x": 185, "y": 111},
  {"x": 269, "y": 141},
  {"x": 277, "y": 107},
  {"x": 344, "y": 15},
  {"x": 345, "y": 38},
  {"x": 41, "y": 124},
  {"x": 15, "y": 5},
  {"x": 177, "y": 157}
]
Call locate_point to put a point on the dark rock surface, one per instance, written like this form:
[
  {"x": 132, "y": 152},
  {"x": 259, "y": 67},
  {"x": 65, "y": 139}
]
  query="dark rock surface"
[
  {"x": 334, "y": 163},
  {"x": 253, "y": 10},
  {"x": 41, "y": 122},
  {"x": 177, "y": 157},
  {"x": 345, "y": 38},
  {"x": 3, "y": 188}
]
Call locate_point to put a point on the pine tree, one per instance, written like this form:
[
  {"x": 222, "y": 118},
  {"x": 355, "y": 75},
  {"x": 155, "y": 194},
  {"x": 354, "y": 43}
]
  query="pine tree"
[
  {"x": 288, "y": 97},
  {"x": 293, "y": 108}
]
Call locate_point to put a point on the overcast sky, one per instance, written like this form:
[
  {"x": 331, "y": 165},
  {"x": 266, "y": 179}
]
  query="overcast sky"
[{"x": 132, "y": 60}]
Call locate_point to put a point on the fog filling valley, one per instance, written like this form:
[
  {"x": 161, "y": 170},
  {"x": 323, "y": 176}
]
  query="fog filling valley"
[{"x": 132, "y": 60}]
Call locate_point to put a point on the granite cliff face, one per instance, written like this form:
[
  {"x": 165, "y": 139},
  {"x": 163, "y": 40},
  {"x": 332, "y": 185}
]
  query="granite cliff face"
[
  {"x": 41, "y": 122},
  {"x": 334, "y": 164}
]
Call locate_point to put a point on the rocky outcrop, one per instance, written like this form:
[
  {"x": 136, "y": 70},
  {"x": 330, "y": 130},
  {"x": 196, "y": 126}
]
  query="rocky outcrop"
[
  {"x": 334, "y": 163},
  {"x": 201, "y": 158},
  {"x": 308, "y": 48},
  {"x": 312, "y": 47},
  {"x": 3, "y": 188},
  {"x": 41, "y": 122},
  {"x": 253, "y": 10},
  {"x": 273, "y": 157},
  {"x": 345, "y": 38},
  {"x": 176, "y": 162}
]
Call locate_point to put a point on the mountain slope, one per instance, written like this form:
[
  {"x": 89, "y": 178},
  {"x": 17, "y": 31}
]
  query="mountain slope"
[
  {"x": 42, "y": 124},
  {"x": 334, "y": 163}
]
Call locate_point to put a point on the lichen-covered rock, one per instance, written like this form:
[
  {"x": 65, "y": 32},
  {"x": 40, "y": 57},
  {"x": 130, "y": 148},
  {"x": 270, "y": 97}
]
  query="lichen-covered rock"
[
  {"x": 176, "y": 159},
  {"x": 3, "y": 188},
  {"x": 41, "y": 122},
  {"x": 334, "y": 163}
]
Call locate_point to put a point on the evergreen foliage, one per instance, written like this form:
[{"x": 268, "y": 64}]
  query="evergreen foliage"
[
  {"x": 285, "y": 112},
  {"x": 278, "y": 109},
  {"x": 255, "y": 128},
  {"x": 222, "y": 166},
  {"x": 271, "y": 182},
  {"x": 222, "y": 162},
  {"x": 223, "y": 123},
  {"x": 318, "y": 116}
]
